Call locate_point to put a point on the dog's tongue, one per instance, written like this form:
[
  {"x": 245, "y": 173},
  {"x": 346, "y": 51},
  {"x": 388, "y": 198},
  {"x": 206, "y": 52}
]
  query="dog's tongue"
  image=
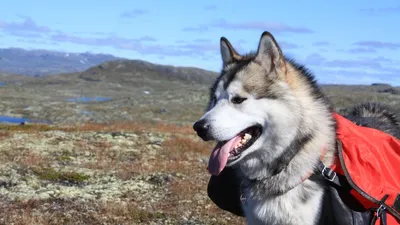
[{"x": 219, "y": 156}]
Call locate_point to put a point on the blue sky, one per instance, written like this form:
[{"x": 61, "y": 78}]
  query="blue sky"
[{"x": 353, "y": 42}]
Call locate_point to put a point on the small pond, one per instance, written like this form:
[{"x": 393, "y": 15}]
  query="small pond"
[
  {"x": 89, "y": 99},
  {"x": 8, "y": 119}
]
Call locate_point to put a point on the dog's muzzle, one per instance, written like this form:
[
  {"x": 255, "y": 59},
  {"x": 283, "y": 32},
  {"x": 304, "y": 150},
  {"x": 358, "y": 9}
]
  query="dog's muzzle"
[{"x": 202, "y": 128}]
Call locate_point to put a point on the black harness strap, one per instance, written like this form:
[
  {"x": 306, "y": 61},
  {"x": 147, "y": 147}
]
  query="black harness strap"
[
  {"x": 396, "y": 204},
  {"x": 327, "y": 173}
]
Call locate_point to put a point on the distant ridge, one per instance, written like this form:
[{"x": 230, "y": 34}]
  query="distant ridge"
[
  {"x": 45, "y": 62},
  {"x": 129, "y": 70}
]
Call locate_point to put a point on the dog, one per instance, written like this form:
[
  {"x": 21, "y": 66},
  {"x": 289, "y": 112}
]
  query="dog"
[{"x": 273, "y": 124}]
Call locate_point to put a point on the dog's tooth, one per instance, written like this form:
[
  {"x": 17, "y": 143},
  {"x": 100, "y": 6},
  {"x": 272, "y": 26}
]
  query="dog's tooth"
[{"x": 247, "y": 135}]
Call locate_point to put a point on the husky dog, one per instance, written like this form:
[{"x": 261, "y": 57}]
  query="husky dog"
[{"x": 273, "y": 124}]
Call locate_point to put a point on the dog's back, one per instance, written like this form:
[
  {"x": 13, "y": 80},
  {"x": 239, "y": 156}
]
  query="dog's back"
[{"x": 375, "y": 115}]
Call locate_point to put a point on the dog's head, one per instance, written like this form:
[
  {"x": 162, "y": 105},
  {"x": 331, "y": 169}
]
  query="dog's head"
[{"x": 252, "y": 111}]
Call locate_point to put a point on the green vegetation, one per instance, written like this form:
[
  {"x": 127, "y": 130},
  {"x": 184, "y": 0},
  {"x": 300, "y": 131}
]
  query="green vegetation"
[
  {"x": 142, "y": 216},
  {"x": 64, "y": 158},
  {"x": 51, "y": 174},
  {"x": 146, "y": 164}
]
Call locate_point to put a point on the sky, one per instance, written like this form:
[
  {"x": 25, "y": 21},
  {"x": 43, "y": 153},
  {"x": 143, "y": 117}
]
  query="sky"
[{"x": 346, "y": 42}]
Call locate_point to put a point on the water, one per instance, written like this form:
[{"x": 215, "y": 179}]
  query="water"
[
  {"x": 85, "y": 112},
  {"x": 7, "y": 119},
  {"x": 89, "y": 99},
  {"x": 2, "y": 84}
]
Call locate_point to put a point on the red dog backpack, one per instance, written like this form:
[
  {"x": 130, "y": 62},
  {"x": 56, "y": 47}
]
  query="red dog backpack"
[{"x": 369, "y": 159}]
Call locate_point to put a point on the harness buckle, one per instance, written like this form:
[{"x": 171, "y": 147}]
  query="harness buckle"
[
  {"x": 380, "y": 210},
  {"x": 242, "y": 199},
  {"x": 328, "y": 173}
]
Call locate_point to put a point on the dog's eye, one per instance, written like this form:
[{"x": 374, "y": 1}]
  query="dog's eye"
[{"x": 237, "y": 100}]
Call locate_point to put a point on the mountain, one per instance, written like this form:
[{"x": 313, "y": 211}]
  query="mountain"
[
  {"x": 136, "y": 70},
  {"x": 44, "y": 62}
]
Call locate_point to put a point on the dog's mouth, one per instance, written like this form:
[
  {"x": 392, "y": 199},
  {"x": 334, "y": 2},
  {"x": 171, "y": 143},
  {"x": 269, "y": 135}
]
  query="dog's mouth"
[
  {"x": 231, "y": 150},
  {"x": 247, "y": 139}
]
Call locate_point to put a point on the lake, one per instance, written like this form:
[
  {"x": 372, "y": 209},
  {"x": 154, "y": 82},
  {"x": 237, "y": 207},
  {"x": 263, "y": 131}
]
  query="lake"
[
  {"x": 8, "y": 119},
  {"x": 89, "y": 99}
]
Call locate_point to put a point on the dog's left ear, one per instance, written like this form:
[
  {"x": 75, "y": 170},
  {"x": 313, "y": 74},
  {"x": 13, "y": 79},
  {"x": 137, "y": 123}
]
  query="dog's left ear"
[{"x": 269, "y": 54}]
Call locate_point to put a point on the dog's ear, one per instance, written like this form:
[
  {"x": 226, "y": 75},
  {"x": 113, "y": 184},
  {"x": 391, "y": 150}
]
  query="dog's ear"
[
  {"x": 269, "y": 54},
  {"x": 228, "y": 53}
]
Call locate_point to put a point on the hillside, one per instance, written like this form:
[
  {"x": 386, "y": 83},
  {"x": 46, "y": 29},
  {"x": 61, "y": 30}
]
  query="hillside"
[
  {"x": 113, "y": 91},
  {"x": 44, "y": 62},
  {"x": 136, "y": 70},
  {"x": 120, "y": 148},
  {"x": 134, "y": 168},
  {"x": 134, "y": 90}
]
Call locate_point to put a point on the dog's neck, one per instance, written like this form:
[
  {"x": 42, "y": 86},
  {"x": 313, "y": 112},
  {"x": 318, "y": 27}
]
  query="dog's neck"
[{"x": 274, "y": 184}]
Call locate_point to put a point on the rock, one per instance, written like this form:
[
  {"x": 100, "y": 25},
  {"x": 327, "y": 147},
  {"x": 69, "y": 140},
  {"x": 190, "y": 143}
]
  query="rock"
[
  {"x": 178, "y": 175},
  {"x": 154, "y": 140},
  {"x": 128, "y": 143},
  {"x": 163, "y": 111},
  {"x": 43, "y": 196},
  {"x": 160, "y": 179},
  {"x": 117, "y": 134},
  {"x": 131, "y": 135},
  {"x": 115, "y": 148},
  {"x": 7, "y": 184}
]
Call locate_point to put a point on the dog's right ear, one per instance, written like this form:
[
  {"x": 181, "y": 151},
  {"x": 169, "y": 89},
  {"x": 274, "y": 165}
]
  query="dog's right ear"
[
  {"x": 269, "y": 54},
  {"x": 228, "y": 53}
]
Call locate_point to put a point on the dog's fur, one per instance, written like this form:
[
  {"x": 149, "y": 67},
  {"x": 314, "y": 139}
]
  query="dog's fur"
[{"x": 297, "y": 125}]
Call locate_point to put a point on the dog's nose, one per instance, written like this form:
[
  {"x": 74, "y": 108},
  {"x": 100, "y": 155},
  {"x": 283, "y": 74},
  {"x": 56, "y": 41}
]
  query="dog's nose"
[{"x": 201, "y": 127}]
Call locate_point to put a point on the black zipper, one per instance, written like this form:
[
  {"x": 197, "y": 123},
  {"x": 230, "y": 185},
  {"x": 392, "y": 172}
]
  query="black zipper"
[{"x": 359, "y": 190}]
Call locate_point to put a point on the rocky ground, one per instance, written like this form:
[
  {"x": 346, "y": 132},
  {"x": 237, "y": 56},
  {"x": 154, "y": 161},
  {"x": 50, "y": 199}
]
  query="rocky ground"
[
  {"x": 132, "y": 159},
  {"x": 94, "y": 174}
]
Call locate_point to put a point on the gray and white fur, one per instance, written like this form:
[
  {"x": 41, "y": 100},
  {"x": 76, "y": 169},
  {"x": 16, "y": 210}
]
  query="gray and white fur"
[{"x": 268, "y": 89}]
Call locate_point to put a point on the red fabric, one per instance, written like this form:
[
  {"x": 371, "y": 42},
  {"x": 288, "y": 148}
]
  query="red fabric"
[{"x": 372, "y": 159}]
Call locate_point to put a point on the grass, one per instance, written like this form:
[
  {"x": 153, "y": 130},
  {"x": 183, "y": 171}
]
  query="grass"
[
  {"x": 174, "y": 164},
  {"x": 32, "y": 159},
  {"x": 25, "y": 128},
  {"x": 51, "y": 174},
  {"x": 76, "y": 212},
  {"x": 64, "y": 158},
  {"x": 143, "y": 126},
  {"x": 179, "y": 147},
  {"x": 142, "y": 216},
  {"x": 170, "y": 171}
]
